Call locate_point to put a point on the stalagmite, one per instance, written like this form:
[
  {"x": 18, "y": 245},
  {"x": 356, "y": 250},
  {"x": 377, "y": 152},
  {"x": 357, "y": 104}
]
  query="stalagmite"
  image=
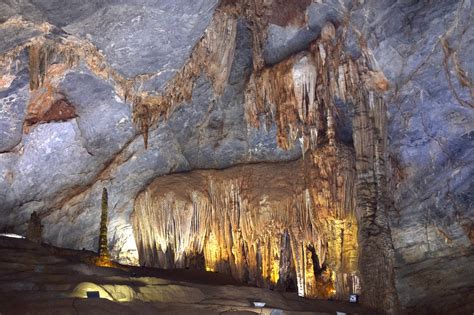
[
  {"x": 35, "y": 229},
  {"x": 104, "y": 256}
]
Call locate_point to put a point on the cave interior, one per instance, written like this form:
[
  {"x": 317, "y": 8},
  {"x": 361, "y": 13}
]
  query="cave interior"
[{"x": 195, "y": 157}]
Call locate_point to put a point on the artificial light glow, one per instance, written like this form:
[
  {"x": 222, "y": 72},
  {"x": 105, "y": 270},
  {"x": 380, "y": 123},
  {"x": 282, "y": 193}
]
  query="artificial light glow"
[
  {"x": 212, "y": 253},
  {"x": 11, "y": 235},
  {"x": 259, "y": 223},
  {"x": 104, "y": 263}
]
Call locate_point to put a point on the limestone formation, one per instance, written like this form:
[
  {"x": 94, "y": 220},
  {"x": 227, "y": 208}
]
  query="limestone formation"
[
  {"x": 299, "y": 94},
  {"x": 320, "y": 146},
  {"x": 264, "y": 224},
  {"x": 104, "y": 256}
]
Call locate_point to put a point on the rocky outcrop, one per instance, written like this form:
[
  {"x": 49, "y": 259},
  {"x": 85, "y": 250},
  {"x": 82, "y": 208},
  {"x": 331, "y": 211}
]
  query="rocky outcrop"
[
  {"x": 214, "y": 86},
  {"x": 429, "y": 150},
  {"x": 100, "y": 148},
  {"x": 300, "y": 95}
]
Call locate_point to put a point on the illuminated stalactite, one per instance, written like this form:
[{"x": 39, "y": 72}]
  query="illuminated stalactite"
[
  {"x": 228, "y": 228},
  {"x": 239, "y": 219},
  {"x": 299, "y": 95}
]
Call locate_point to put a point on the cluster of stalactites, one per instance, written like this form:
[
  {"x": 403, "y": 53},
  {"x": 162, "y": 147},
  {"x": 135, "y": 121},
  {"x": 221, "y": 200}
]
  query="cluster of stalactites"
[
  {"x": 299, "y": 93},
  {"x": 212, "y": 56},
  {"x": 69, "y": 52},
  {"x": 256, "y": 239}
]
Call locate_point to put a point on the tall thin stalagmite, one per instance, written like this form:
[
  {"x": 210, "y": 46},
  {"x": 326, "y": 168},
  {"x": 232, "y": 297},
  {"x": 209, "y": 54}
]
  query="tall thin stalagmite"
[{"x": 104, "y": 256}]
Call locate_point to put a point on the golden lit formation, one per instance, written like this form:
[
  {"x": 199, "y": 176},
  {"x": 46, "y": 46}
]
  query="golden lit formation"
[
  {"x": 284, "y": 225},
  {"x": 287, "y": 225},
  {"x": 104, "y": 256}
]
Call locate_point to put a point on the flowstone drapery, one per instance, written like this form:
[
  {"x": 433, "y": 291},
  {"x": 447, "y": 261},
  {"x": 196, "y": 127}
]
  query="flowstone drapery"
[{"x": 273, "y": 225}]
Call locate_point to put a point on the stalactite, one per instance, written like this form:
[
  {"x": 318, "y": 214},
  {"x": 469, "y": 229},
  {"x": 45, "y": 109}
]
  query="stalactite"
[
  {"x": 256, "y": 14},
  {"x": 223, "y": 222},
  {"x": 240, "y": 225},
  {"x": 301, "y": 93},
  {"x": 213, "y": 55},
  {"x": 34, "y": 66},
  {"x": 68, "y": 52}
]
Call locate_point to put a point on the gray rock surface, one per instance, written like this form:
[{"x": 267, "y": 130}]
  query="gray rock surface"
[
  {"x": 13, "y": 102},
  {"x": 139, "y": 37},
  {"x": 12, "y": 112},
  {"x": 209, "y": 132},
  {"x": 104, "y": 121},
  {"x": 430, "y": 135},
  {"x": 283, "y": 41},
  {"x": 63, "y": 166}
]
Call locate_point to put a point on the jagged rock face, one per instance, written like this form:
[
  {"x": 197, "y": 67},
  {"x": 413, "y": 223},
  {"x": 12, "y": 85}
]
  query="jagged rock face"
[
  {"x": 430, "y": 144},
  {"x": 82, "y": 84}
]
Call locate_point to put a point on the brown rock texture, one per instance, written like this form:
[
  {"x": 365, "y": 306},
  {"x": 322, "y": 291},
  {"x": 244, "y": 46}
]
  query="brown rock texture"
[
  {"x": 35, "y": 229},
  {"x": 284, "y": 12},
  {"x": 64, "y": 277},
  {"x": 299, "y": 95}
]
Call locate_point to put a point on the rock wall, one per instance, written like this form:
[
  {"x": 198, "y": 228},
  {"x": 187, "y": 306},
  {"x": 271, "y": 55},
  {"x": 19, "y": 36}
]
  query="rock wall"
[
  {"x": 421, "y": 47},
  {"x": 97, "y": 146}
]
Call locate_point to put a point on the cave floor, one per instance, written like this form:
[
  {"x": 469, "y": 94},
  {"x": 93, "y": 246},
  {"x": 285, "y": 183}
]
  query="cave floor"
[{"x": 41, "y": 279}]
